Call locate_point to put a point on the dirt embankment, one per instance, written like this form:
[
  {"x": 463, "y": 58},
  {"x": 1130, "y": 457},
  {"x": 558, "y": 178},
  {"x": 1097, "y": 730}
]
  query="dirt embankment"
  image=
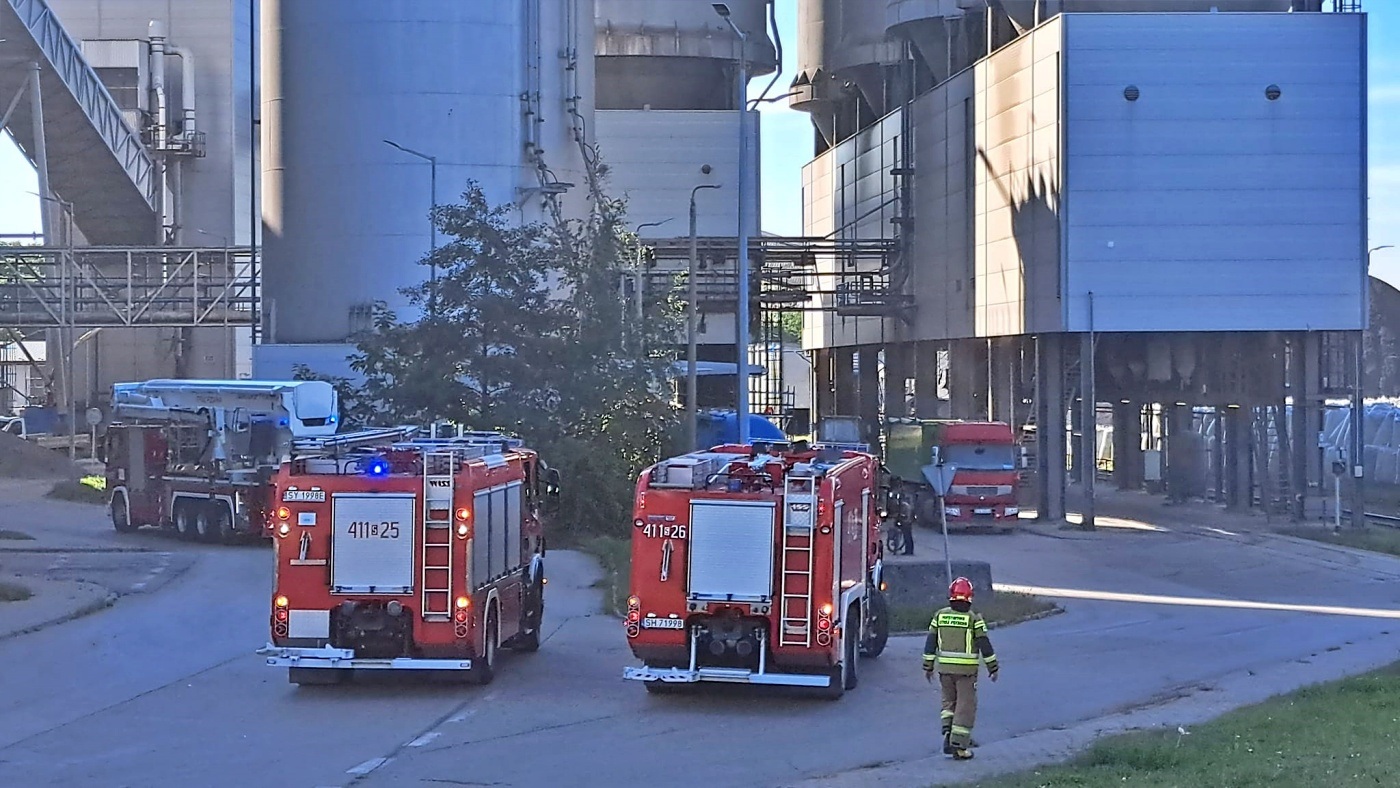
[{"x": 22, "y": 459}]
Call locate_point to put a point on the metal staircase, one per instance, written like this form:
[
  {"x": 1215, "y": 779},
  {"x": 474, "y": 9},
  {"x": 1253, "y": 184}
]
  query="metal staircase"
[
  {"x": 94, "y": 158},
  {"x": 439, "y": 488},
  {"x": 799, "y": 515}
]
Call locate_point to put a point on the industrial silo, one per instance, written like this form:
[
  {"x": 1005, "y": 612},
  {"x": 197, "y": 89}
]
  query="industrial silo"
[
  {"x": 666, "y": 107},
  {"x": 358, "y": 98}
]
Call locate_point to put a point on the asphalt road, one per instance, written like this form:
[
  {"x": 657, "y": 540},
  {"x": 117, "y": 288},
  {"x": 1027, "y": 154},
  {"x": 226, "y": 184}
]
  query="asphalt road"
[{"x": 164, "y": 688}]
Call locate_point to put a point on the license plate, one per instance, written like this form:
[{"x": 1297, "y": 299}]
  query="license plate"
[
  {"x": 981, "y": 511},
  {"x": 663, "y": 623}
]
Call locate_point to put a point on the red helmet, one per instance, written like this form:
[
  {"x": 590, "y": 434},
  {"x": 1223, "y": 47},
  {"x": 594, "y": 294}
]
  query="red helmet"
[{"x": 960, "y": 590}]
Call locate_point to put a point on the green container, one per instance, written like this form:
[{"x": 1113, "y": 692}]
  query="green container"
[{"x": 908, "y": 448}]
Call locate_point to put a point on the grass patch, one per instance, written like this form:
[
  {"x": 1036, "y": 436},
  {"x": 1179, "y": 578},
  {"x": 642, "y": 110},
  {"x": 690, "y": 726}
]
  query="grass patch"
[
  {"x": 1003, "y": 609},
  {"x": 18, "y": 536},
  {"x": 13, "y": 592},
  {"x": 1343, "y": 733},
  {"x": 79, "y": 492},
  {"x": 615, "y": 555},
  {"x": 1377, "y": 539}
]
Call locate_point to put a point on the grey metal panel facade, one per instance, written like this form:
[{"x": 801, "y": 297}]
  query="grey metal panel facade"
[
  {"x": 1203, "y": 205},
  {"x": 1225, "y": 211}
]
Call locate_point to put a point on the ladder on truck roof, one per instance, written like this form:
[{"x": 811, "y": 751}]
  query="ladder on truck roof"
[
  {"x": 439, "y": 495},
  {"x": 799, "y": 521},
  {"x": 302, "y": 447}
]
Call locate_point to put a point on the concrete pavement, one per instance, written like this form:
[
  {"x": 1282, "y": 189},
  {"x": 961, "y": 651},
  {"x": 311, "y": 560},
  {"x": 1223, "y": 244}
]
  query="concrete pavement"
[
  {"x": 164, "y": 688},
  {"x": 53, "y": 602}
]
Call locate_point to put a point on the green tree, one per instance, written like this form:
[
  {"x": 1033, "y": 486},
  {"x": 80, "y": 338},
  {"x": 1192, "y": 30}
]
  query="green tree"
[{"x": 529, "y": 336}]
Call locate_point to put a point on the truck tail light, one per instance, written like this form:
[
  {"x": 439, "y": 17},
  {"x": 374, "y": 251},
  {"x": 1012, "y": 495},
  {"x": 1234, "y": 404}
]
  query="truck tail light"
[
  {"x": 824, "y": 625},
  {"x": 459, "y": 629},
  {"x": 280, "y": 615},
  {"x": 634, "y": 616},
  {"x": 464, "y": 514},
  {"x": 462, "y": 530},
  {"x": 283, "y": 513}
]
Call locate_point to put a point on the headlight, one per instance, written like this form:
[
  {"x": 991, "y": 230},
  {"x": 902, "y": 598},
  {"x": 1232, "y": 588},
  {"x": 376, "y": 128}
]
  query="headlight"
[
  {"x": 953, "y": 511},
  {"x": 1012, "y": 511}
]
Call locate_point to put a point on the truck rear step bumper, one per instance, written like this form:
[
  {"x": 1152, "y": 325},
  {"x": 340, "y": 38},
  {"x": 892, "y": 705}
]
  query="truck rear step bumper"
[
  {"x": 724, "y": 676},
  {"x": 344, "y": 659}
]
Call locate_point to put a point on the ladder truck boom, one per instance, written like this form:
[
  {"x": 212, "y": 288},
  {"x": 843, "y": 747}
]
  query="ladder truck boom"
[{"x": 200, "y": 454}]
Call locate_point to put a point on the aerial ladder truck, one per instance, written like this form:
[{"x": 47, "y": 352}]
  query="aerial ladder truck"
[{"x": 199, "y": 455}]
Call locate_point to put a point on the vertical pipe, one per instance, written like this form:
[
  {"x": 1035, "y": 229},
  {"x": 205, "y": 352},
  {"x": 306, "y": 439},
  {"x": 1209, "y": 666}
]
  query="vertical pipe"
[
  {"x": 41, "y": 155},
  {"x": 691, "y": 413},
  {"x": 1088, "y": 420},
  {"x": 742, "y": 317},
  {"x": 1358, "y": 438}
]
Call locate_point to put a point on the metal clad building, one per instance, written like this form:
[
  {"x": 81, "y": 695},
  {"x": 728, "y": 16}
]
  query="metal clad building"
[
  {"x": 1200, "y": 205},
  {"x": 1207, "y": 205}
]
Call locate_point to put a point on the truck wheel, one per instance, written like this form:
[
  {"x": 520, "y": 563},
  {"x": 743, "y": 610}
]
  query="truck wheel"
[
  {"x": 216, "y": 522},
  {"x": 120, "y": 520},
  {"x": 531, "y": 621},
  {"x": 850, "y": 647},
  {"x": 484, "y": 667},
  {"x": 874, "y": 645},
  {"x": 185, "y": 520}
]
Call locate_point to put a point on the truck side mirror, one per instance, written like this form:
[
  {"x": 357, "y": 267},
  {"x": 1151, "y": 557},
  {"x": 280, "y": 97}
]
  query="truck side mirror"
[
  {"x": 934, "y": 458},
  {"x": 551, "y": 489}
]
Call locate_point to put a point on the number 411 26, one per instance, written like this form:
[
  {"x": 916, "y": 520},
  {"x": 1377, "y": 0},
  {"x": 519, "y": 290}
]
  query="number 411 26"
[{"x": 664, "y": 531}]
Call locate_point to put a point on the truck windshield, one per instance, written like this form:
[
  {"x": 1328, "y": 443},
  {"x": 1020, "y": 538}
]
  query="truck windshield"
[{"x": 980, "y": 456}]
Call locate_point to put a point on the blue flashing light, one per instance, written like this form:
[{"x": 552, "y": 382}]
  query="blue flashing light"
[
  {"x": 377, "y": 467},
  {"x": 281, "y": 422}
]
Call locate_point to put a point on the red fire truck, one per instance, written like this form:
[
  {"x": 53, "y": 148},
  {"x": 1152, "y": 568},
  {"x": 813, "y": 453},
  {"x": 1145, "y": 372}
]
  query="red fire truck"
[
  {"x": 393, "y": 553},
  {"x": 757, "y": 565},
  {"x": 199, "y": 454}
]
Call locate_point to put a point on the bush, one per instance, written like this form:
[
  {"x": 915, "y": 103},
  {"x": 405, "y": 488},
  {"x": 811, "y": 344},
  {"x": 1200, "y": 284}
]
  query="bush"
[
  {"x": 78, "y": 492},
  {"x": 13, "y": 592}
]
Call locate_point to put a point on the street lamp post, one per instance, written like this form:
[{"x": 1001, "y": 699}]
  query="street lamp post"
[
  {"x": 742, "y": 318},
  {"x": 641, "y": 272},
  {"x": 432, "y": 221},
  {"x": 691, "y": 413}
]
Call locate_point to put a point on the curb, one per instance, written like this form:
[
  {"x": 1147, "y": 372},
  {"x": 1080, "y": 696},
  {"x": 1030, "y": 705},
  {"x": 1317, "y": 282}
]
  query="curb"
[
  {"x": 86, "y": 609},
  {"x": 4, "y": 549},
  {"x": 1055, "y": 611}
]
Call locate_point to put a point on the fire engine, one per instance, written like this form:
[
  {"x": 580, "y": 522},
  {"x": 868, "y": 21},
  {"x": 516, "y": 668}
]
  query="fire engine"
[
  {"x": 757, "y": 565},
  {"x": 394, "y": 552},
  {"x": 199, "y": 454}
]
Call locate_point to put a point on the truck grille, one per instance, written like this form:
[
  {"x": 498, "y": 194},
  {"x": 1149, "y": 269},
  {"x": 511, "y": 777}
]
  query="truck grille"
[{"x": 987, "y": 491}]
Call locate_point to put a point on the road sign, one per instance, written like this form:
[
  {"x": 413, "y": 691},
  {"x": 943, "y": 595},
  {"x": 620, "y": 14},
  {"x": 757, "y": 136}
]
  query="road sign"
[
  {"x": 941, "y": 477},
  {"x": 94, "y": 417}
]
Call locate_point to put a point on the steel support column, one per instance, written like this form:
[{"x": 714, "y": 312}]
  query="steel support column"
[
  {"x": 1050, "y": 427},
  {"x": 869, "y": 396},
  {"x": 897, "y": 369},
  {"x": 846, "y": 390}
]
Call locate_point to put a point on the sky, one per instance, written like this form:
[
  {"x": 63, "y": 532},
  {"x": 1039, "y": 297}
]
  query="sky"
[{"x": 787, "y": 145}]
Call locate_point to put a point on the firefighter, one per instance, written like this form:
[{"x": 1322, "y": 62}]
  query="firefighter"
[{"x": 956, "y": 647}]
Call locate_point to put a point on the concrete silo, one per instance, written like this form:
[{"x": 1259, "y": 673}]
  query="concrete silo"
[
  {"x": 666, "y": 106},
  {"x": 496, "y": 91},
  {"x": 668, "y": 121}
]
